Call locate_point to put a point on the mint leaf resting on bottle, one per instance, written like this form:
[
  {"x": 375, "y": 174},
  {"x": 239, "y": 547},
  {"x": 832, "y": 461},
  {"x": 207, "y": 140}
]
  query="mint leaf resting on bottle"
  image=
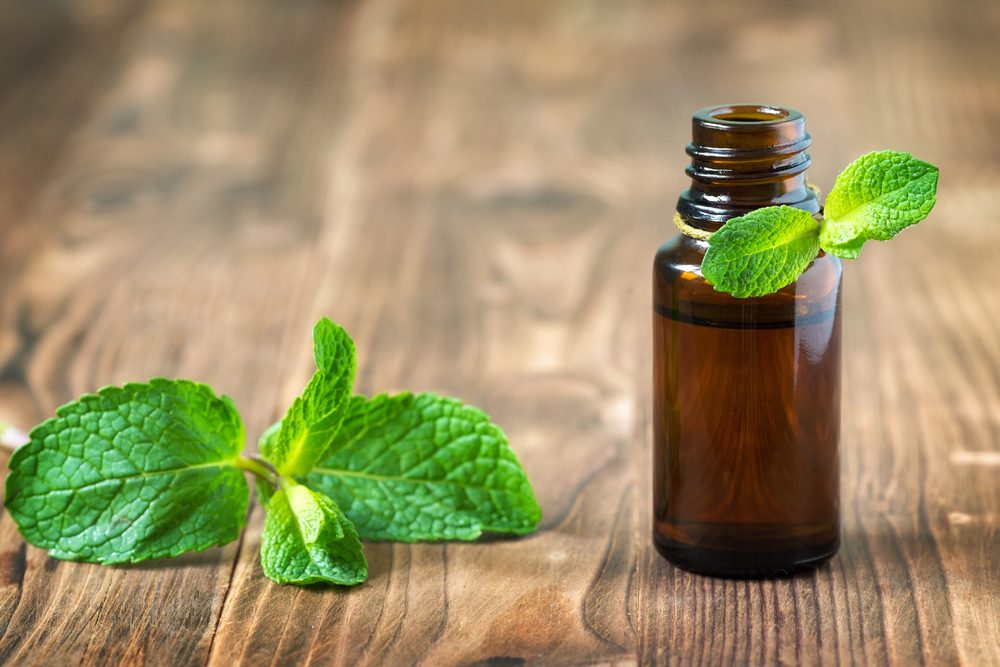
[
  {"x": 157, "y": 469},
  {"x": 875, "y": 198}
]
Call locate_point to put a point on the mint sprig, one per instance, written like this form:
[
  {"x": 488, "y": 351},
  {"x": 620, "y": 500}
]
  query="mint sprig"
[
  {"x": 151, "y": 470},
  {"x": 876, "y": 197}
]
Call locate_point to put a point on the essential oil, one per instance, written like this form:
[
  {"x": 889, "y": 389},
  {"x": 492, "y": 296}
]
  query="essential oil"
[{"x": 746, "y": 391}]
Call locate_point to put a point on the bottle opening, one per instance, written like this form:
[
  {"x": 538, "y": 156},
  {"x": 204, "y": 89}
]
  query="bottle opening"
[{"x": 746, "y": 113}]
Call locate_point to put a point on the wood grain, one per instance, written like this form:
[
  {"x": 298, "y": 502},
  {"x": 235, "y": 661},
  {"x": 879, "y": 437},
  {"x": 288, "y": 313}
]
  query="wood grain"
[{"x": 475, "y": 190}]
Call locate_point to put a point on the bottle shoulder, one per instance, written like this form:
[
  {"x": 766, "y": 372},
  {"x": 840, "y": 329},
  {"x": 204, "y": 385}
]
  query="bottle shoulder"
[
  {"x": 679, "y": 254},
  {"x": 677, "y": 277}
]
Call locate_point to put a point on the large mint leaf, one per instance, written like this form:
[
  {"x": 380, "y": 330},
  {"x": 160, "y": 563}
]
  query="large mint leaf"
[
  {"x": 308, "y": 540},
  {"x": 314, "y": 417},
  {"x": 877, "y": 196},
  {"x": 762, "y": 251},
  {"x": 423, "y": 467},
  {"x": 131, "y": 473}
]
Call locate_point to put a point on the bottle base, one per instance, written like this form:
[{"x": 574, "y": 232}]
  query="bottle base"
[{"x": 745, "y": 564}]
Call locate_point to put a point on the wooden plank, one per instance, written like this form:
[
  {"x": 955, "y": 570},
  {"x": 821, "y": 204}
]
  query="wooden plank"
[{"x": 476, "y": 189}]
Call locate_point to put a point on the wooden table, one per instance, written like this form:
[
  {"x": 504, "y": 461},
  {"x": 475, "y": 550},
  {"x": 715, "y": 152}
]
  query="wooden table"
[{"x": 475, "y": 189}]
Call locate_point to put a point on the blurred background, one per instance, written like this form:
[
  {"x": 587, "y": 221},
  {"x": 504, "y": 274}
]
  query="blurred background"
[
  {"x": 184, "y": 173},
  {"x": 475, "y": 189}
]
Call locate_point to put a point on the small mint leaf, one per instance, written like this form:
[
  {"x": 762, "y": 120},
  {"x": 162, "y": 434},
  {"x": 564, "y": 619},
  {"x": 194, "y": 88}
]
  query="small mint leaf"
[
  {"x": 131, "y": 473},
  {"x": 848, "y": 250},
  {"x": 264, "y": 488},
  {"x": 267, "y": 439},
  {"x": 424, "y": 467},
  {"x": 314, "y": 417},
  {"x": 874, "y": 198},
  {"x": 762, "y": 251},
  {"x": 308, "y": 540}
]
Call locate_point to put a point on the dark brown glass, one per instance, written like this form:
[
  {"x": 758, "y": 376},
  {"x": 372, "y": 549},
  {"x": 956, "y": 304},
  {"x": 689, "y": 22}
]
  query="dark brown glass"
[{"x": 746, "y": 391}]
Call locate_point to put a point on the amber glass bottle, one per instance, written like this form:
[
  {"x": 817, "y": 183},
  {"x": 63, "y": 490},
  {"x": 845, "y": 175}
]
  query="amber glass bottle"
[{"x": 746, "y": 413}]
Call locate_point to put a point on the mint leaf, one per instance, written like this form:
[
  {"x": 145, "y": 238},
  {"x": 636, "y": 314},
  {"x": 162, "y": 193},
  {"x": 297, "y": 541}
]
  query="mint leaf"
[
  {"x": 762, "y": 251},
  {"x": 315, "y": 416},
  {"x": 131, "y": 473},
  {"x": 877, "y": 196},
  {"x": 265, "y": 489},
  {"x": 424, "y": 467},
  {"x": 847, "y": 250},
  {"x": 268, "y": 437},
  {"x": 308, "y": 540}
]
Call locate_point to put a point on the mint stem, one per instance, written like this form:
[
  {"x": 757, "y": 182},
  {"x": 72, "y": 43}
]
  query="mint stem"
[{"x": 260, "y": 468}]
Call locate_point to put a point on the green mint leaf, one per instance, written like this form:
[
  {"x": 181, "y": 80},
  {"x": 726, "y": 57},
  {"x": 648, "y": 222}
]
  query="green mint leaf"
[
  {"x": 314, "y": 417},
  {"x": 762, "y": 251},
  {"x": 131, "y": 473},
  {"x": 424, "y": 467},
  {"x": 268, "y": 437},
  {"x": 308, "y": 540},
  {"x": 266, "y": 489},
  {"x": 848, "y": 250},
  {"x": 877, "y": 196}
]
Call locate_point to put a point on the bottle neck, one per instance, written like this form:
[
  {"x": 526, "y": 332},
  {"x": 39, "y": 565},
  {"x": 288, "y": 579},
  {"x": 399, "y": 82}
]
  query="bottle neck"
[{"x": 745, "y": 157}]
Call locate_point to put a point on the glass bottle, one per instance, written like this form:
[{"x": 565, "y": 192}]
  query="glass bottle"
[{"x": 746, "y": 412}]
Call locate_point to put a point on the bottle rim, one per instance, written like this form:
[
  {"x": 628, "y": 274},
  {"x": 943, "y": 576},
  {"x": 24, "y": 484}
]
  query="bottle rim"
[
  {"x": 747, "y": 132},
  {"x": 734, "y": 116}
]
